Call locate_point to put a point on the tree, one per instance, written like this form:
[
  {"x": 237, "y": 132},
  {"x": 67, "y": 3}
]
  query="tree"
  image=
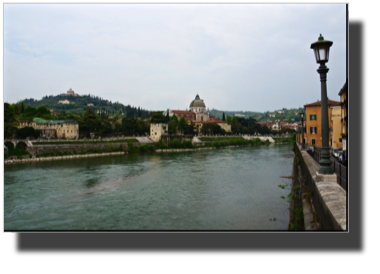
[
  {"x": 62, "y": 115},
  {"x": 17, "y": 111},
  {"x": 90, "y": 122},
  {"x": 167, "y": 117},
  {"x": 30, "y": 112},
  {"x": 42, "y": 111},
  {"x": 129, "y": 125},
  {"x": 189, "y": 129},
  {"x": 25, "y": 132},
  {"x": 223, "y": 118},
  {"x": 142, "y": 127},
  {"x": 158, "y": 117},
  {"x": 172, "y": 127},
  {"x": 182, "y": 124},
  {"x": 10, "y": 120},
  {"x": 174, "y": 118},
  {"x": 118, "y": 127},
  {"x": 106, "y": 127}
]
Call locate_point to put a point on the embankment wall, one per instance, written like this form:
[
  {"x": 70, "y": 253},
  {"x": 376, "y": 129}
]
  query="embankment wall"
[
  {"x": 329, "y": 198},
  {"x": 39, "y": 149}
]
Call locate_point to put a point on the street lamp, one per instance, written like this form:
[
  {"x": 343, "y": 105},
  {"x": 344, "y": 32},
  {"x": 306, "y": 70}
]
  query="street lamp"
[
  {"x": 321, "y": 51},
  {"x": 302, "y": 114}
]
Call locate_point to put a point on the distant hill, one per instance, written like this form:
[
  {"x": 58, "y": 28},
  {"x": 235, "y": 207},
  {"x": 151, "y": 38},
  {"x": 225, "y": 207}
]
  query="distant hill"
[
  {"x": 78, "y": 104},
  {"x": 281, "y": 114}
]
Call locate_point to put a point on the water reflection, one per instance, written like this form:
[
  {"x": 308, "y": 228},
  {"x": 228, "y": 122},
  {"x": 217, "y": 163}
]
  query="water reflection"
[{"x": 206, "y": 190}]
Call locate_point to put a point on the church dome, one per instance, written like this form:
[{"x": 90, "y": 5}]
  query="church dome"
[
  {"x": 197, "y": 102},
  {"x": 70, "y": 91}
]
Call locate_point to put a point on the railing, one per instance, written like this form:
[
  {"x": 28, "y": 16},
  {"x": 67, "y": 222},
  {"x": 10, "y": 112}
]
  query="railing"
[
  {"x": 339, "y": 169},
  {"x": 341, "y": 173}
]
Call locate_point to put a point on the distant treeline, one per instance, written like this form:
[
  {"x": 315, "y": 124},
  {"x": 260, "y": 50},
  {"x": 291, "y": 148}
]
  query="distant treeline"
[{"x": 79, "y": 104}]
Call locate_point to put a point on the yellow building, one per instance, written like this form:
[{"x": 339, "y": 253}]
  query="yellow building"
[
  {"x": 336, "y": 127},
  {"x": 313, "y": 127},
  {"x": 55, "y": 128},
  {"x": 344, "y": 119},
  {"x": 223, "y": 124}
]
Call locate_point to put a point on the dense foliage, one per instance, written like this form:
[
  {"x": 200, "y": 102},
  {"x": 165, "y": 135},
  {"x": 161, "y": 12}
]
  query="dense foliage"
[
  {"x": 79, "y": 104},
  {"x": 11, "y": 121},
  {"x": 287, "y": 115}
]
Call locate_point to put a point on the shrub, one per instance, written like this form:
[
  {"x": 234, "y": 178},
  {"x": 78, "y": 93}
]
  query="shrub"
[
  {"x": 142, "y": 149},
  {"x": 17, "y": 151},
  {"x": 160, "y": 144}
]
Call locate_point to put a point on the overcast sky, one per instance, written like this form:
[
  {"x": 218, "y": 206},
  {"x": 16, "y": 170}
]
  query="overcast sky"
[{"x": 248, "y": 57}]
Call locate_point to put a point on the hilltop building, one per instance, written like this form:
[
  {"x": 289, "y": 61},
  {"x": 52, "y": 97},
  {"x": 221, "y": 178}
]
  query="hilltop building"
[
  {"x": 70, "y": 92},
  {"x": 64, "y": 102}
]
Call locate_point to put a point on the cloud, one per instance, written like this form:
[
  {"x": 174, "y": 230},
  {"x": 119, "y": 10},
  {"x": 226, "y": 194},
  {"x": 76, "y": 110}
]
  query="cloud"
[{"x": 245, "y": 56}]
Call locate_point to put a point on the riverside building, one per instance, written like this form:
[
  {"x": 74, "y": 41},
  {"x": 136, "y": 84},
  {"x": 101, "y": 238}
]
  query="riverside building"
[
  {"x": 55, "y": 128},
  {"x": 198, "y": 115}
]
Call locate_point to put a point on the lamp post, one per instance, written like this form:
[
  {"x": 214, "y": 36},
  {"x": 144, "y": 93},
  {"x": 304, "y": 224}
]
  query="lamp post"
[
  {"x": 321, "y": 51},
  {"x": 302, "y": 114}
]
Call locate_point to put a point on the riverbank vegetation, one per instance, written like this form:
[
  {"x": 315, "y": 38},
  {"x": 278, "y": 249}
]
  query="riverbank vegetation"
[
  {"x": 176, "y": 144},
  {"x": 218, "y": 139},
  {"x": 18, "y": 151},
  {"x": 129, "y": 141},
  {"x": 109, "y": 148}
]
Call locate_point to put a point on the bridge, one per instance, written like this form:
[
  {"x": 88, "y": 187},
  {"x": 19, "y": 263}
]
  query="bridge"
[{"x": 17, "y": 143}]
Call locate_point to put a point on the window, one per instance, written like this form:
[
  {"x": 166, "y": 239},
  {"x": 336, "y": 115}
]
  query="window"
[
  {"x": 313, "y": 117},
  {"x": 313, "y": 141},
  {"x": 340, "y": 140},
  {"x": 313, "y": 130}
]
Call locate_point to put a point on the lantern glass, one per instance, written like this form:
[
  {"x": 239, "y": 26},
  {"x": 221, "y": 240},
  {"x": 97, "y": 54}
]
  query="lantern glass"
[
  {"x": 321, "y": 50},
  {"x": 316, "y": 53},
  {"x": 322, "y": 54}
]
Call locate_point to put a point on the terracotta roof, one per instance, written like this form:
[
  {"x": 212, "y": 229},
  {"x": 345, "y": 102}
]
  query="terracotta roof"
[
  {"x": 343, "y": 90},
  {"x": 318, "y": 103},
  {"x": 211, "y": 122},
  {"x": 182, "y": 112}
]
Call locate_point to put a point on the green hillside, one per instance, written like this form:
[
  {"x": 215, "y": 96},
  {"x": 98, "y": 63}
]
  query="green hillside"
[
  {"x": 78, "y": 105},
  {"x": 288, "y": 114}
]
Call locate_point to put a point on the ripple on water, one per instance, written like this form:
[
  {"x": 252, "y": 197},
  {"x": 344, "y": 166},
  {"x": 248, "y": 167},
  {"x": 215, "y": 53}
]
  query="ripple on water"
[{"x": 224, "y": 189}]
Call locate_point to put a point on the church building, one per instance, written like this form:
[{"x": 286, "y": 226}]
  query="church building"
[{"x": 198, "y": 115}]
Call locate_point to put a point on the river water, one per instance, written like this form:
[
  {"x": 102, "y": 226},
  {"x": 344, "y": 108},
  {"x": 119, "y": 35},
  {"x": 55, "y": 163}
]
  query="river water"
[{"x": 223, "y": 189}]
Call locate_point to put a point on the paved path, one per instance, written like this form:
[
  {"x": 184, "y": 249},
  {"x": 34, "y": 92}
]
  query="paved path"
[
  {"x": 144, "y": 140},
  {"x": 196, "y": 140},
  {"x": 261, "y": 138}
]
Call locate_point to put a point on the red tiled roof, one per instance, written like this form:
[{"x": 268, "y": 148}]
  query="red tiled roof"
[
  {"x": 318, "y": 103},
  {"x": 182, "y": 112},
  {"x": 343, "y": 90},
  {"x": 211, "y": 122}
]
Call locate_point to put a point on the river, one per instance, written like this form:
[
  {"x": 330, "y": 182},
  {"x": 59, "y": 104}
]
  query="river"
[{"x": 222, "y": 189}]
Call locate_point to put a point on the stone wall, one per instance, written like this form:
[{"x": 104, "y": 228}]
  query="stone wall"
[
  {"x": 77, "y": 147},
  {"x": 329, "y": 198},
  {"x": 157, "y": 130},
  {"x": 166, "y": 138}
]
